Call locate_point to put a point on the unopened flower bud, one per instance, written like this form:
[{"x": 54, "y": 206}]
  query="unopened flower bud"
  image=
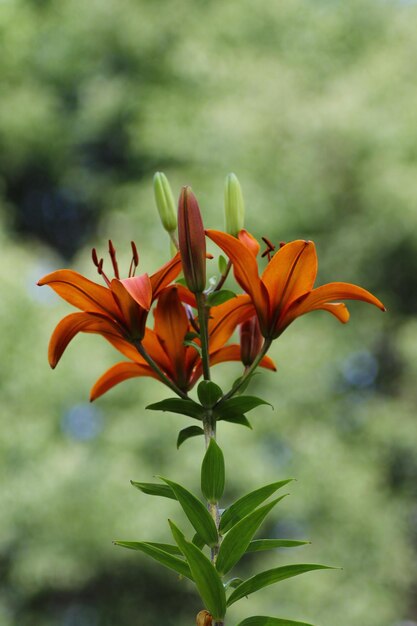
[
  {"x": 204, "y": 618},
  {"x": 192, "y": 241},
  {"x": 234, "y": 208},
  {"x": 250, "y": 341},
  {"x": 165, "y": 202}
]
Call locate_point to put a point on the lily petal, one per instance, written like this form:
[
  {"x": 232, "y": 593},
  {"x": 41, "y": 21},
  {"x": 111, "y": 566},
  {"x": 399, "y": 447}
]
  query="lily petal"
[
  {"x": 232, "y": 353},
  {"x": 134, "y": 315},
  {"x": 82, "y": 292},
  {"x": 225, "y": 317},
  {"x": 171, "y": 326},
  {"x": 140, "y": 288},
  {"x": 117, "y": 374},
  {"x": 249, "y": 241},
  {"x": 75, "y": 323},
  {"x": 322, "y": 297},
  {"x": 245, "y": 269},
  {"x": 290, "y": 273},
  {"x": 165, "y": 275}
]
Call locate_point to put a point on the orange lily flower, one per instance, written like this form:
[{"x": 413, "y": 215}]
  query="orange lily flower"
[
  {"x": 285, "y": 289},
  {"x": 118, "y": 311},
  {"x": 180, "y": 362}
]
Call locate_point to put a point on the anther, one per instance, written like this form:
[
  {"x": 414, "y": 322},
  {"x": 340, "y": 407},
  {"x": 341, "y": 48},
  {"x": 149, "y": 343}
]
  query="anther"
[
  {"x": 270, "y": 248},
  {"x": 94, "y": 257},
  {"x": 112, "y": 253},
  {"x": 135, "y": 259},
  {"x": 282, "y": 244}
]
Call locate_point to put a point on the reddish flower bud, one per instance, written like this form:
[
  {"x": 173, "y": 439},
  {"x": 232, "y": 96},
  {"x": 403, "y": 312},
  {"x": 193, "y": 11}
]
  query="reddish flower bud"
[
  {"x": 192, "y": 241},
  {"x": 250, "y": 341},
  {"x": 204, "y": 618}
]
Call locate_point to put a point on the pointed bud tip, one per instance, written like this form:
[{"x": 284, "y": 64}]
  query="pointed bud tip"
[
  {"x": 165, "y": 202},
  {"x": 234, "y": 208}
]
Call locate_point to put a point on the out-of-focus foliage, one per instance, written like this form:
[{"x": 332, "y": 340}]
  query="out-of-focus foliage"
[{"x": 313, "y": 105}]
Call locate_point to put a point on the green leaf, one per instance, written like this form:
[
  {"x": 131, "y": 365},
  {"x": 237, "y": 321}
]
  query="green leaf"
[
  {"x": 233, "y": 583},
  {"x": 222, "y": 265},
  {"x": 245, "y": 385},
  {"x": 218, "y": 297},
  {"x": 259, "y": 545},
  {"x": 166, "y": 547},
  {"x": 186, "y": 433},
  {"x": 178, "y": 405},
  {"x": 196, "y": 512},
  {"x": 270, "y": 577},
  {"x": 209, "y": 393},
  {"x": 240, "y": 404},
  {"x": 196, "y": 347},
  {"x": 236, "y": 418},
  {"x": 170, "y": 561},
  {"x": 190, "y": 336},
  {"x": 198, "y": 541},
  {"x": 237, "y": 540},
  {"x": 206, "y": 578},
  {"x": 181, "y": 281},
  {"x": 213, "y": 473},
  {"x": 261, "y": 620},
  {"x": 154, "y": 489},
  {"x": 248, "y": 503}
]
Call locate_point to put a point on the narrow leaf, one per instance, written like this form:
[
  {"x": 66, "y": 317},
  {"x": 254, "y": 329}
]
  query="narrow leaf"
[
  {"x": 259, "y": 545},
  {"x": 196, "y": 512},
  {"x": 196, "y": 347},
  {"x": 186, "y": 433},
  {"x": 237, "y": 418},
  {"x": 218, "y": 297},
  {"x": 206, "y": 578},
  {"x": 222, "y": 265},
  {"x": 178, "y": 405},
  {"x": 209, "y": 393},
  {"x": 248, "y": 503},
  {"x": 237, "y": 540},
  {"x": 261, "y": 620},
  {"x": 170, "y": 561},
  {"x": 233, "y": 583},
  {"x": 269, "y": 577},
  {"x": 154, "y": 489},
  {"x": 198, "y": 541},
  {"x": 240, "y": 404},
  {"x": 213, "y": 473},
  {"x": 166, "y": 547}
]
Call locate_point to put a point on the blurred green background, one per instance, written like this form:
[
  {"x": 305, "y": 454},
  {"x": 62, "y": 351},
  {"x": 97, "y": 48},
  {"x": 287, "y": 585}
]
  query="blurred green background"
[{"x": 313, "y": 105}]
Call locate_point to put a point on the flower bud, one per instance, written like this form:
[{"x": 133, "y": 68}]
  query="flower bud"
[
  {"x": 165, "y": 202},
  {"x": 250, "y": 341},
  {"x": 234, "y": 208},
  {"x": 192, "y": 241},
  {"x": 204, "y": 618}
]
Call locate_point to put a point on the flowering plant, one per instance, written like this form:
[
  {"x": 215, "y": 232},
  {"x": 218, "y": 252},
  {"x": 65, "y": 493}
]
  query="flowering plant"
[{"x": 192, "y": 326}]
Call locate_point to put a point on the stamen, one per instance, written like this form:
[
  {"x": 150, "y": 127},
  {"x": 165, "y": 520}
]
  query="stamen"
[
  {"x": 112, "y": 252},
  {"x": 191, "y": 319},
  {"x": 135, "y": 259},
  {"x": 282, "y": 244},
  {"x": 99, "y": 265},
  {"x": 270, "y": 248}
]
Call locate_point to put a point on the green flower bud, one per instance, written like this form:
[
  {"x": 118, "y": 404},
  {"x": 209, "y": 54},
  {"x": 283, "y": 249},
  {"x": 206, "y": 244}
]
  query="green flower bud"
[
  {"x": 165, "y": 202},
  {"x": 233, "y": 205}
]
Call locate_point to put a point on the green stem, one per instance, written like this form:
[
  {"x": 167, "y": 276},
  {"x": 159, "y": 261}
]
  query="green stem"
[
  {"x": 164, "y": 378},
  {"x": 202, "y": 321},
  {"x": 223, "y": 277}
]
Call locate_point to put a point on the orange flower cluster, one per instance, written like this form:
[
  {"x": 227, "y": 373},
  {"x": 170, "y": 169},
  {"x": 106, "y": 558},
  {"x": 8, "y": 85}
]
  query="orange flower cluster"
[{"x": 171, "y": 350}]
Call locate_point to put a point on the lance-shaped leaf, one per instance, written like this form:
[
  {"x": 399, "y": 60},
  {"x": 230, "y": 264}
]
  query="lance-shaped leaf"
[
  {"x": 166, "y": 547},
  {"x": 218, "y": 297},
  {"x": 196, "y": 512},
  {"x": 163, "y": 557},
  {"x": 154, "y": 489},
  {"x": 262, "y": 620},
  {"x": 259, "y": 545},
  {"x": 205, "y": 576},
  {"x": 213, "y": 473},
  {"x": 209, "y": 393},
  {"x": 178, "y": 405},
  {"x": 187, "y": 433},
  {"x": 239, "y": 404},
  {"x": 233, "y": 583},
  {"x": 269, "y": 577},
  {"x": 236, "y": 418},
  {"x": 237, "y": 540},
  {"x": 248, "y": 503}
]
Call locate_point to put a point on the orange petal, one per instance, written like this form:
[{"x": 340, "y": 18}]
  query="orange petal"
[
  {"x": 165, "y": 275},
  {"x": 245, "y": 269},
  {"x": 225, "y": 317},
  {"x": 186, "y": 296},
  {"x": 322, "y": 297},
  {"x": 82, "y": 293},
  {"x": 249, "y": 241},
  {"x": 290, "y": 273},
  {"x": 154, "y": 348},
  {"x": 134, "y": 316},
  {"x": 73, "y": 324},
  {"x": 232, "y": 353},
  {"x": 171, "y": 326},
  {"x": 140, "y": 288},
  {"x": 117, "y": 374}
]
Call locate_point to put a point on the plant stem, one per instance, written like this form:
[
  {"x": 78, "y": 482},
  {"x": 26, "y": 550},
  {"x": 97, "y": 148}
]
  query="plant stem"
[
  {"x": 223, "y": 277},
  {"x": 202, "y": 322},
  {"x": 164, "y": 378}
]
